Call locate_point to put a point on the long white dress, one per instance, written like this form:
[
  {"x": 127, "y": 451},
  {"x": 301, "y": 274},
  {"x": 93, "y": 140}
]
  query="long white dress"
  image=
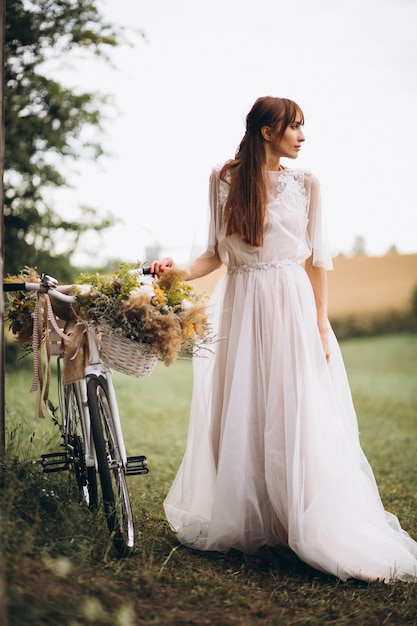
[{"x": 273, "y": 454}]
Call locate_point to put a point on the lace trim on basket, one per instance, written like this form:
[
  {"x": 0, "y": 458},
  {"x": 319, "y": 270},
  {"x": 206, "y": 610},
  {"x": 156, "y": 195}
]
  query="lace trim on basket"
[{"x": 267, "y": 265}]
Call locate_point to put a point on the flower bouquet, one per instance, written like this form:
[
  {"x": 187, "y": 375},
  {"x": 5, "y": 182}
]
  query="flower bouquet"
[
  {"x": 163, "y": 317},
  {"x": 165, "y": 313},
  {"x": 20, "y": 307}
]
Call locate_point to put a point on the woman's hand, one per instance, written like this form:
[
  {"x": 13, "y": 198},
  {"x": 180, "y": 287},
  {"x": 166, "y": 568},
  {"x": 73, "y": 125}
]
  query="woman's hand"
[
  {"x": 324, "y": 336},
  {"x": 158, "y": 267}
]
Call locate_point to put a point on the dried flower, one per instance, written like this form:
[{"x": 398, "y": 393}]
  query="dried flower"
[
  {"x": 166, "y": 313},
  {"x": 20, "y": 306}
]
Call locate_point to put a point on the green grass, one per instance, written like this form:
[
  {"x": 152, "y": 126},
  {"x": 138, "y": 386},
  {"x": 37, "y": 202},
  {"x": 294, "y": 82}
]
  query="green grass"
[{"x": 59, "y": 566}]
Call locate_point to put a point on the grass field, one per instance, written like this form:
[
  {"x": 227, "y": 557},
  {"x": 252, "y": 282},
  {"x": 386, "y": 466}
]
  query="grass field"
[{"x": 59, "y": 566}]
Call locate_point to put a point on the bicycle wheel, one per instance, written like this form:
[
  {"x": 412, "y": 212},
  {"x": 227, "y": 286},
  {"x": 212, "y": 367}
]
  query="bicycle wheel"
[
  {"x": 86, "y": 477},
  {"x": 116, "y": 499}
]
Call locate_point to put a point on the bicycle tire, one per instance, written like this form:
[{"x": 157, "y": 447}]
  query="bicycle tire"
[
  {"x": 86, "y": 477},
  {"x": 116, "y": 500}
]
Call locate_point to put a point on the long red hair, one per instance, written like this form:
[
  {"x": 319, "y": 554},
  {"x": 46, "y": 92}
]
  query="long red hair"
[{"x": 244, "y": 212}]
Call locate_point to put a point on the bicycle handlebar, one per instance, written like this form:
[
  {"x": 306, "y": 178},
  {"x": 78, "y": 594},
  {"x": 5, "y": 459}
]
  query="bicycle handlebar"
[
  {"x": 49, "y": 285},
  {"x": 37, "y": 287},
  {"x": 14, "y": 286}
]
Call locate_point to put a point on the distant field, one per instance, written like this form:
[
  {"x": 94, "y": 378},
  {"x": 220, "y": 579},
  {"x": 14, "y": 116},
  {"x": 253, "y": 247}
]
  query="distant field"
[{"x": 361, "y": 284}]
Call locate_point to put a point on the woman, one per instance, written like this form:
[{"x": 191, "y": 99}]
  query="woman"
[{"x": 273, "y": 454}]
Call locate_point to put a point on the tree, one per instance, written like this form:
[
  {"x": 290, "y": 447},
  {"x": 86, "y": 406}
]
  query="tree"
[
  {"x": 45, "y": 126},
  {"x": 359, "y": 245}
]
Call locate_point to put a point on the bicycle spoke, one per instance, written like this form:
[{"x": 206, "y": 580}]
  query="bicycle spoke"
[{"x": 74, "y": 442}]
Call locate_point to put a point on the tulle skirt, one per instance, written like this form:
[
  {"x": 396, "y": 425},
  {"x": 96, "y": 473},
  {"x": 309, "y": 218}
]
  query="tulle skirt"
[{"x": 273, "y": 455}]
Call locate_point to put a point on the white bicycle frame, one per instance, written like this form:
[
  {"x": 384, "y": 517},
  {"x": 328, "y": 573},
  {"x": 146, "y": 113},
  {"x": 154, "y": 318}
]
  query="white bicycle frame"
[
  {"x": 97, "y": 368},
  {"x": 80, "y": 434}
]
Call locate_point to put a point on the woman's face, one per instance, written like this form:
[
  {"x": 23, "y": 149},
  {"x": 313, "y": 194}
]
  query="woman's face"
[{"x": 289, "y": 144}]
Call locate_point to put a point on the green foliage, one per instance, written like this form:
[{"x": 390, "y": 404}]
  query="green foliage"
[
  {"x": 104, "y": 287},
  {"x": 45, "y": 126},
  {"x": 60, "y": 570},
  {"x": 414, "y": 305},
  {"x": 372, "y": 325},
  {"x": 12, "y": 353},
  {"x": 20, "y": 305}
]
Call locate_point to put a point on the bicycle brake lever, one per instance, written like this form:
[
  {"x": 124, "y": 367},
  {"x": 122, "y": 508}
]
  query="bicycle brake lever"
[
  {"x": 141, "y": 271},
  {"x": 49, "y": 282}
]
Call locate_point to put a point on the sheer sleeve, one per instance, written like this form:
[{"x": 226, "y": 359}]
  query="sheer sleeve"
[
  {"x": 317, "y": 229},
  {"x": 215, "y": 215}
]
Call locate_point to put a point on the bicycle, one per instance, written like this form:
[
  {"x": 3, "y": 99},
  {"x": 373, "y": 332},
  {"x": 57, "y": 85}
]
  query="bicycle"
[{"x": 91, "y": 428}]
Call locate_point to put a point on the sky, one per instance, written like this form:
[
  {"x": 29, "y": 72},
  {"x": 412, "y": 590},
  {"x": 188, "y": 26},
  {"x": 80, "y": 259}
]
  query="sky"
[{"x": 181, "y": 94}]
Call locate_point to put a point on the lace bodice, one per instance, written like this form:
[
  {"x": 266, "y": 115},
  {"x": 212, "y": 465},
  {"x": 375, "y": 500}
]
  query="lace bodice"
[{"x": 294, "y": 227}]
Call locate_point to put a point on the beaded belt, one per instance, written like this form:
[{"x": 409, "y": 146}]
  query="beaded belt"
[{"x": 267, "y": 265}]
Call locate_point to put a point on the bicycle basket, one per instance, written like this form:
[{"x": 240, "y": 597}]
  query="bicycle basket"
[
  {"x": 57, "y": 344},
  {"x": 127, "y": 356}
]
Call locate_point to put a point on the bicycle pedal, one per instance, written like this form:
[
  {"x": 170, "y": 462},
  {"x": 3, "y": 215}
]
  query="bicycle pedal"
[
  {"x": 136, "y": 465},
  {"x": 53, "y": 462}
]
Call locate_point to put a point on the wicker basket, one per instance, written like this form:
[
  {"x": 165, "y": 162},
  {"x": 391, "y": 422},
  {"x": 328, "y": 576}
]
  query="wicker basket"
[{"x": 127, "y": 356}]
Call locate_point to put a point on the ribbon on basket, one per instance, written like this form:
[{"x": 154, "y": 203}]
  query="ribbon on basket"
[
  {"x": 76, "y": 351},
  {"x": 43, "y": 315}
]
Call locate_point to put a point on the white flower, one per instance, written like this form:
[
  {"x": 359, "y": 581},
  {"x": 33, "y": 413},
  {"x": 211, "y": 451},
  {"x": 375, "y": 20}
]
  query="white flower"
[
  {"x": 186, "y": 304},
  {"x": 144, "y": 289},
  {"x": 143, "y": 279},
  {"x": 147, "y": 280}
]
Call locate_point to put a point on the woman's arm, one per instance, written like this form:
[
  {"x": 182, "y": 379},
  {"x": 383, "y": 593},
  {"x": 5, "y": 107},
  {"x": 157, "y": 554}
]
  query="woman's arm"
[
  {"x": 203, "y": 266},
  {"x": 200, "y": 267},
  {"x": 318, "y": 279}
]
